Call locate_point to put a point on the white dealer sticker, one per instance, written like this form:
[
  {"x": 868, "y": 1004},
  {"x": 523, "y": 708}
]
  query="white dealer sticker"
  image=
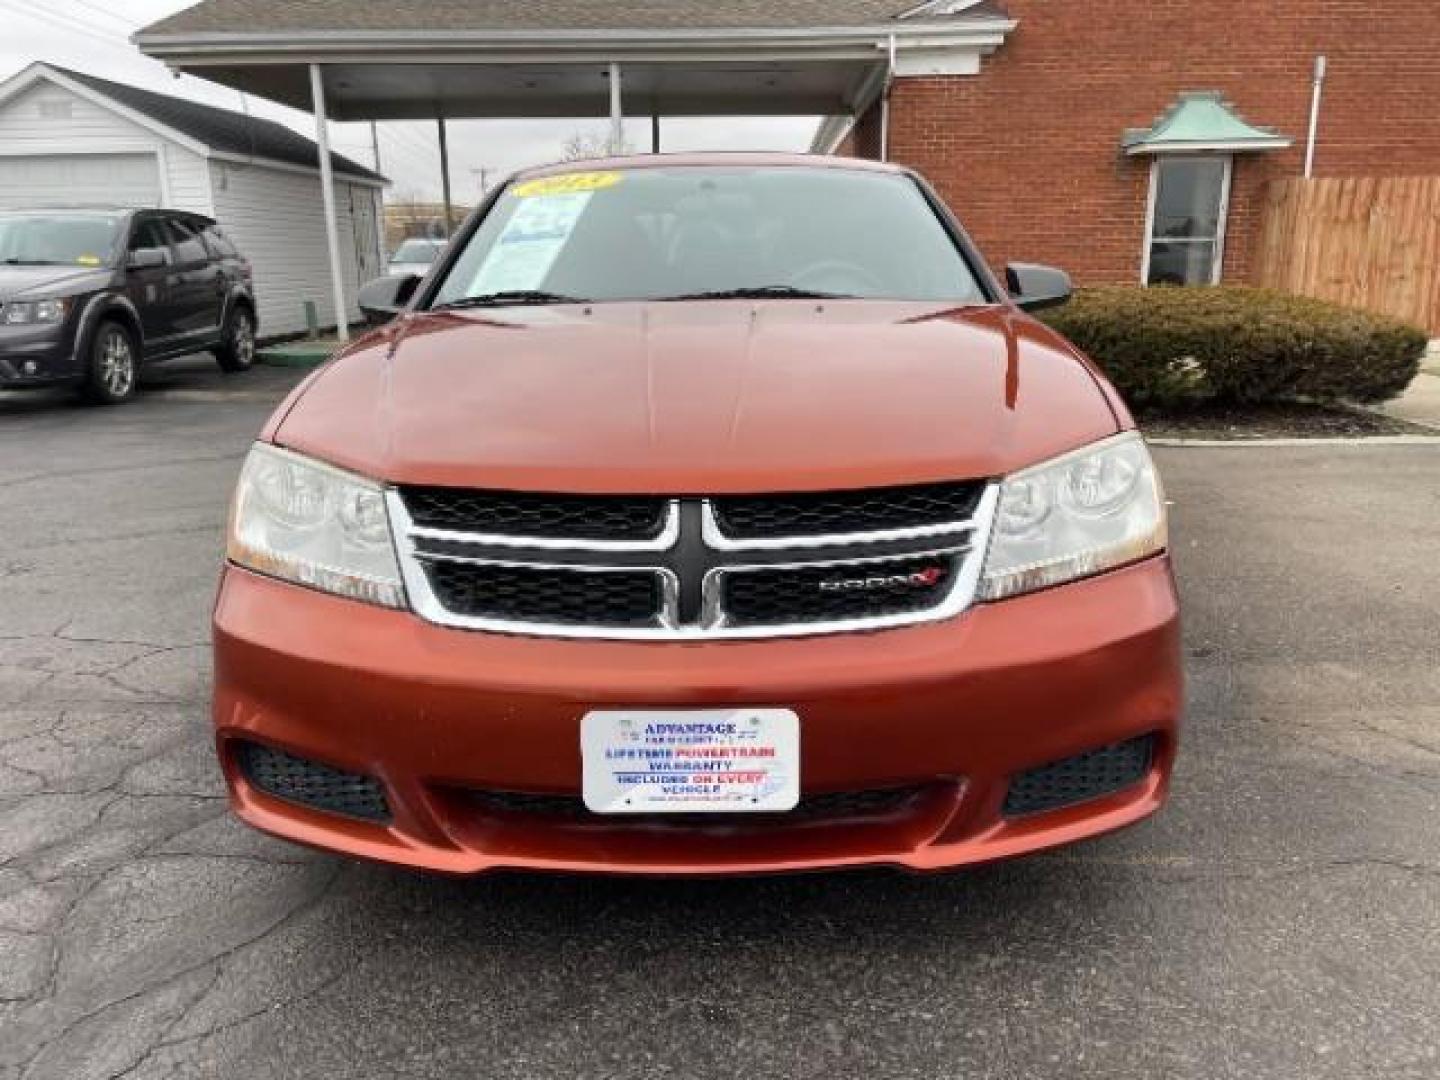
[
  {"x": 530, "y": 243},
  {"x": 691, "y": 761}
]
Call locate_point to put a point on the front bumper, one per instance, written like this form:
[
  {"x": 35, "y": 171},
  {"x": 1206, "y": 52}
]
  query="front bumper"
[
  {"x": 952, "y": 709},
  {"x": 36, "y": 355}
]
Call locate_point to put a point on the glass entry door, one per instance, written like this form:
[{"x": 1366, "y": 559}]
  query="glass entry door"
[{"x": 1185, "y": 235}]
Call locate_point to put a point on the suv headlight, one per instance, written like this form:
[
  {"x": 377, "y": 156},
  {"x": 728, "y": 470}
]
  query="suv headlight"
[
  {"x": 1081, "y": 513},
  {"x": 26, "y": 312},
  {"x": 313, "y": 524}
]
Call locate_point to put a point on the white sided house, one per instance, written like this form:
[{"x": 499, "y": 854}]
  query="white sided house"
[{"x": 70, "y": 139}]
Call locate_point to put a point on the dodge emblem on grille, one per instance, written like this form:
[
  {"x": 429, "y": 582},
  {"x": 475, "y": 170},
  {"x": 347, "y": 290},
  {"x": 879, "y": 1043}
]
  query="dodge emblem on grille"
[{"x": 919, "y": 579}]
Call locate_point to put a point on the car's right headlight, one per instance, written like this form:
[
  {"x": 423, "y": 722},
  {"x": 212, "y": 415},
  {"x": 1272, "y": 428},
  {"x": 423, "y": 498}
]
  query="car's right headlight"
[
  {"x": 28, "y": 312},
  {"x": 1079, "y": 514},
  {"x": 304, "y": 521}
]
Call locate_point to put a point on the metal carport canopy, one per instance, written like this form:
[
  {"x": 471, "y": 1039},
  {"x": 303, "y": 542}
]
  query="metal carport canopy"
[{"x": 439, "y": 59}]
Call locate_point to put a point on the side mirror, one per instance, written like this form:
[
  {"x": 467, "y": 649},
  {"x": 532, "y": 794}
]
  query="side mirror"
[
  {"x": 385, "y": 297},
  {"x": 1034, "y": 287},
  {"x": 146, "y": 258}
]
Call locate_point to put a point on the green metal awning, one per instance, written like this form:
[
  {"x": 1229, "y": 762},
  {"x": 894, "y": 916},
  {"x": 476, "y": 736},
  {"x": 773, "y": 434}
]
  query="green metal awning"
[{"x": 1198, "y": 122}]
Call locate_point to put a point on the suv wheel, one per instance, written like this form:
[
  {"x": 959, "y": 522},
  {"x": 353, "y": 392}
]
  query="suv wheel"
[
  {"x": 112, "y": 371},
  {"x": 237, "y": 347}
]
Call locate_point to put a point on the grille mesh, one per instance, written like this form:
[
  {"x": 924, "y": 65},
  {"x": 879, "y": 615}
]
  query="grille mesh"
[
  {"x": 562, "y": 517},
  {"x": 1081, "y": 778},
  {"x": 627, "y": 598},
  {"x": 827, "y": 806},
  {"x": 869, "y": 510},
  {"x": 817, "y": 594},
  {"x": 311, "y": 784}
]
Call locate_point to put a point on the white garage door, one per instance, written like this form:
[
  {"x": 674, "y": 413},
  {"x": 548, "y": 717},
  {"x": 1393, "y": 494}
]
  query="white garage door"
[{"x": 79, "y": 180}]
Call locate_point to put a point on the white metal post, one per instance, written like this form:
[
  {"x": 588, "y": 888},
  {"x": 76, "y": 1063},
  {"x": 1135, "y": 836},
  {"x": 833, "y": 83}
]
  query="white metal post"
[
  {"x": 617, "y": 116},
  {"x": 327, "y": 194},
  {"x": 1317, "y": 87},
  {"x": 885, "y": 100}
]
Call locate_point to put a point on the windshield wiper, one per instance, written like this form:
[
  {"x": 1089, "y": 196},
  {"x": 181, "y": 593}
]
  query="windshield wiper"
[
  {"x": 761, "y": 292},
  {"x": 509, "y": 297},
  {"x": 27, "y": 262}
]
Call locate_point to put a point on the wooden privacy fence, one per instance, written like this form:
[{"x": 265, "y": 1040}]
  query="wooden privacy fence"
[{"x": 1370, "y": 243}]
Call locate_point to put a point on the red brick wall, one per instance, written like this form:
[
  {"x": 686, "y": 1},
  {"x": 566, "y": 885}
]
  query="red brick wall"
[
  {"x": 1027, "y": 152},
  {"x": 863, "y": 140}
]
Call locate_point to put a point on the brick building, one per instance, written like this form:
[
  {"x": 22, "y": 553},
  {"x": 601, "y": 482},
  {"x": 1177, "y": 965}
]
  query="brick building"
[
  {"x": 1028, "y": 149},
  {"x": 1120, "y": 139}
]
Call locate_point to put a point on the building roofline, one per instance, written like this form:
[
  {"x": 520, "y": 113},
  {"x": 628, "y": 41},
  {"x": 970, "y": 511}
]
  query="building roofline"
[
  {"x": 981, "y": 30},
  {"x": 42, "y": 71}
]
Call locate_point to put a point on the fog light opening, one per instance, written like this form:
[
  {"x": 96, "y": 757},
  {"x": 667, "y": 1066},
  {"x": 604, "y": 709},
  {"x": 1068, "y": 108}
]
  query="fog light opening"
[
  {"x": 311, "y": 784},
  {"x": 1079, "y": 779}
]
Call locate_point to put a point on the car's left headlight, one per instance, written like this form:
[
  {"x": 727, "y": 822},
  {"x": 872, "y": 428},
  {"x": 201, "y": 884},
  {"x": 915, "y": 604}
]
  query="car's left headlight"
[
  {"x": 27, "y": 312},
  {"x": 304, "y": 521},
  {"x": 1076, "y": 515}
]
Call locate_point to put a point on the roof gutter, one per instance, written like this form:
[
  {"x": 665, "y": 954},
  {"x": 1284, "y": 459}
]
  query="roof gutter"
[{"x": 500, "y": 46}]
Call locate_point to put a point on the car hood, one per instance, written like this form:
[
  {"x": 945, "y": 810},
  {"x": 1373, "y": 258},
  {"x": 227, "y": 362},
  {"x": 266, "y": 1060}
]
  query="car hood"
[
  {"x": 704, "y": 397},
  {"x": 18, "y": 282}
]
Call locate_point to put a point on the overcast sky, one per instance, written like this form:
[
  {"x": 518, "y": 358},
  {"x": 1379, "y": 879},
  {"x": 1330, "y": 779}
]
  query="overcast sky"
[{"x": 93, "y": 36}]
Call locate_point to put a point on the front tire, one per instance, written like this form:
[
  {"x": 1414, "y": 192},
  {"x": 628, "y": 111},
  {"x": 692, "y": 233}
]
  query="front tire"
[
  {"x": 112, "y": 370},
  {"x": 237, "y": 348}
]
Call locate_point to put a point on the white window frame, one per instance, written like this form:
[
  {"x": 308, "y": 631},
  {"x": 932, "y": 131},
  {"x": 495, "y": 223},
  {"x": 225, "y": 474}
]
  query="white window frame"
[{"x": 1221, "y": 225}]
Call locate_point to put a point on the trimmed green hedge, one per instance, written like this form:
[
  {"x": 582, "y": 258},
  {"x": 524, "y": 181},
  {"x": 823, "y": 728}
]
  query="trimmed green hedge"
[{"x": 1167, "y": 346}]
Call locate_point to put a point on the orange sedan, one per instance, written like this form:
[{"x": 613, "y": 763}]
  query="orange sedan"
[{"x": 700, "y": 514}]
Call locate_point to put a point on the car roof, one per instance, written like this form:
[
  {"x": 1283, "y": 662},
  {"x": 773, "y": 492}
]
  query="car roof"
[
  {"x": 112, "y": 211},
  {"x": 720, "y": 158}
]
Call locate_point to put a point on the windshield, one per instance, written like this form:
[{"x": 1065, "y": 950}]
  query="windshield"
[
  {"x": 416, "y": 251},
  {"x": 687, "y": 231},
  {"x": 55, "y": 239}
]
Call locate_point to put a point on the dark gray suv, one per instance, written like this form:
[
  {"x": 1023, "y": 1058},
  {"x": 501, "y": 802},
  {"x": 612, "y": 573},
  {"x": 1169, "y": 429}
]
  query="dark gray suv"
[{"x": 88, "y": 297}]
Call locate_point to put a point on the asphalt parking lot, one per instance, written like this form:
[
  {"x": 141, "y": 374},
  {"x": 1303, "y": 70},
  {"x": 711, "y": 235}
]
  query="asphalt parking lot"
[{"x": 1281, "y": 918}]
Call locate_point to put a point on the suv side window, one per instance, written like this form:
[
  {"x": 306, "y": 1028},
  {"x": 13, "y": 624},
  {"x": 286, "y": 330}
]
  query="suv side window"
[
  {"x": 148, "y": 234},
  {"x": 218, "y": 243},
  {"x": 189, "y": 249}
]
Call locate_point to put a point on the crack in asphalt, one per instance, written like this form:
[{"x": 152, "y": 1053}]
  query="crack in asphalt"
[
  {"x": 218, "y": 958},
  {"x": 103, "y": 470},
  {"x": 1190, "y": 873},
  {"x": 222, "y": 1026},
  {"x": 212, "y": 527}
]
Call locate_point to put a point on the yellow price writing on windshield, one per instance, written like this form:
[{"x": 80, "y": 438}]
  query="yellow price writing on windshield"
[{"x": 566, "y": 184}]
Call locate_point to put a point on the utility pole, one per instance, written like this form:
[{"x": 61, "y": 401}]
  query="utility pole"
[
  {"x": 445, "y": 174},
  {"x": 482, "y": 176},
  {"x": 375, "y": 144}
]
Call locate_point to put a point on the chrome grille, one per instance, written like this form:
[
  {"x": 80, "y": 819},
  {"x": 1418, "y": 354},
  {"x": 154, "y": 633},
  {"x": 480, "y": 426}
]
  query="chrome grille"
[{"x": 699, "y": 569}]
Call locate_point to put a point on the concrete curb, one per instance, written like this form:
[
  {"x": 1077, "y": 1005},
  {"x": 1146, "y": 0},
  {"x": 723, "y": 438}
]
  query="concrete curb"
[
  {"x": 1419, "y": 405},
  {"x": 296, "y": 354}
]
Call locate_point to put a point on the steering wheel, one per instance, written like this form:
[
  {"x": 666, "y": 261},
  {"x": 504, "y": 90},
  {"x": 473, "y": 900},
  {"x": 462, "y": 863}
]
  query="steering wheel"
[{"x": 837, "y": 276}]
